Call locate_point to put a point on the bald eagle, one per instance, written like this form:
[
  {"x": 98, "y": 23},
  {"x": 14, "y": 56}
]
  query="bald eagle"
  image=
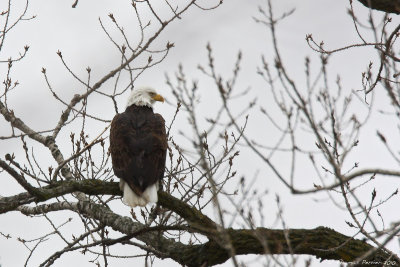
[{"x": 138, "y": 146}]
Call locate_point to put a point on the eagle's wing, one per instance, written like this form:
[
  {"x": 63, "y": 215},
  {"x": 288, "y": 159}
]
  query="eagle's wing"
[
  {"x": 138, "y": 145},
  {"x": 120, "y": 153},
  {"x": 162, "y": 144}
]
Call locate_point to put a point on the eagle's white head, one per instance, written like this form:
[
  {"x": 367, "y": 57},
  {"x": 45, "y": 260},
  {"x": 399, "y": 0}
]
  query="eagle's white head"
[{"x": 144, "y": 96}]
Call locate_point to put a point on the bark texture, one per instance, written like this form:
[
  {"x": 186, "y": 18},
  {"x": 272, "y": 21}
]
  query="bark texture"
[{"x": 321, "y": 242}]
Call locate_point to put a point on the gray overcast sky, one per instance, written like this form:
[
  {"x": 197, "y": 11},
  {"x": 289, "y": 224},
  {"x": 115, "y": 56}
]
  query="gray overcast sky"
[{"x": 229, "y": 28}]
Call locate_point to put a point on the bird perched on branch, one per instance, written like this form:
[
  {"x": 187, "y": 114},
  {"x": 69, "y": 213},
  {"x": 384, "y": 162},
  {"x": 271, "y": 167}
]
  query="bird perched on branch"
[{"x": 138, "y": 146}]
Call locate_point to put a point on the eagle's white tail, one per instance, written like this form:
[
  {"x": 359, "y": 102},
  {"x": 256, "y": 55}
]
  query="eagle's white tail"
[{"x": 131, "y": 199}]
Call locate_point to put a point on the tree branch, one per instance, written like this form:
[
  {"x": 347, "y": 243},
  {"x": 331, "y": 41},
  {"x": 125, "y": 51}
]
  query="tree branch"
[
  {"x": 19, "y": 178},
  {"x": 321, "y": 242}
]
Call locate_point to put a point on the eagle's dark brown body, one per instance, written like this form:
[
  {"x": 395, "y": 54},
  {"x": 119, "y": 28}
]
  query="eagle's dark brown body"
[{"x": 138, "y": 146}]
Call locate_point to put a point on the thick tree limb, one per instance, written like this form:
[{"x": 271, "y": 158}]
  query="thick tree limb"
[
  {"x": 56, "y": 189},
  {"x": 389, "y": 6},
  {"x": 321, "y": 242}
]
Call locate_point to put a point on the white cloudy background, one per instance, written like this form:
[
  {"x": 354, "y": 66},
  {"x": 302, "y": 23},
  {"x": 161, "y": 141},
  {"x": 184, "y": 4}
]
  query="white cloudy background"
[{"x": 229, "y": 28}]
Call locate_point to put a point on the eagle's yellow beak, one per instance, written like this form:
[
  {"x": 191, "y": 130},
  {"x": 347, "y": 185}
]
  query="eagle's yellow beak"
[{"x": 158, "y": 97}]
